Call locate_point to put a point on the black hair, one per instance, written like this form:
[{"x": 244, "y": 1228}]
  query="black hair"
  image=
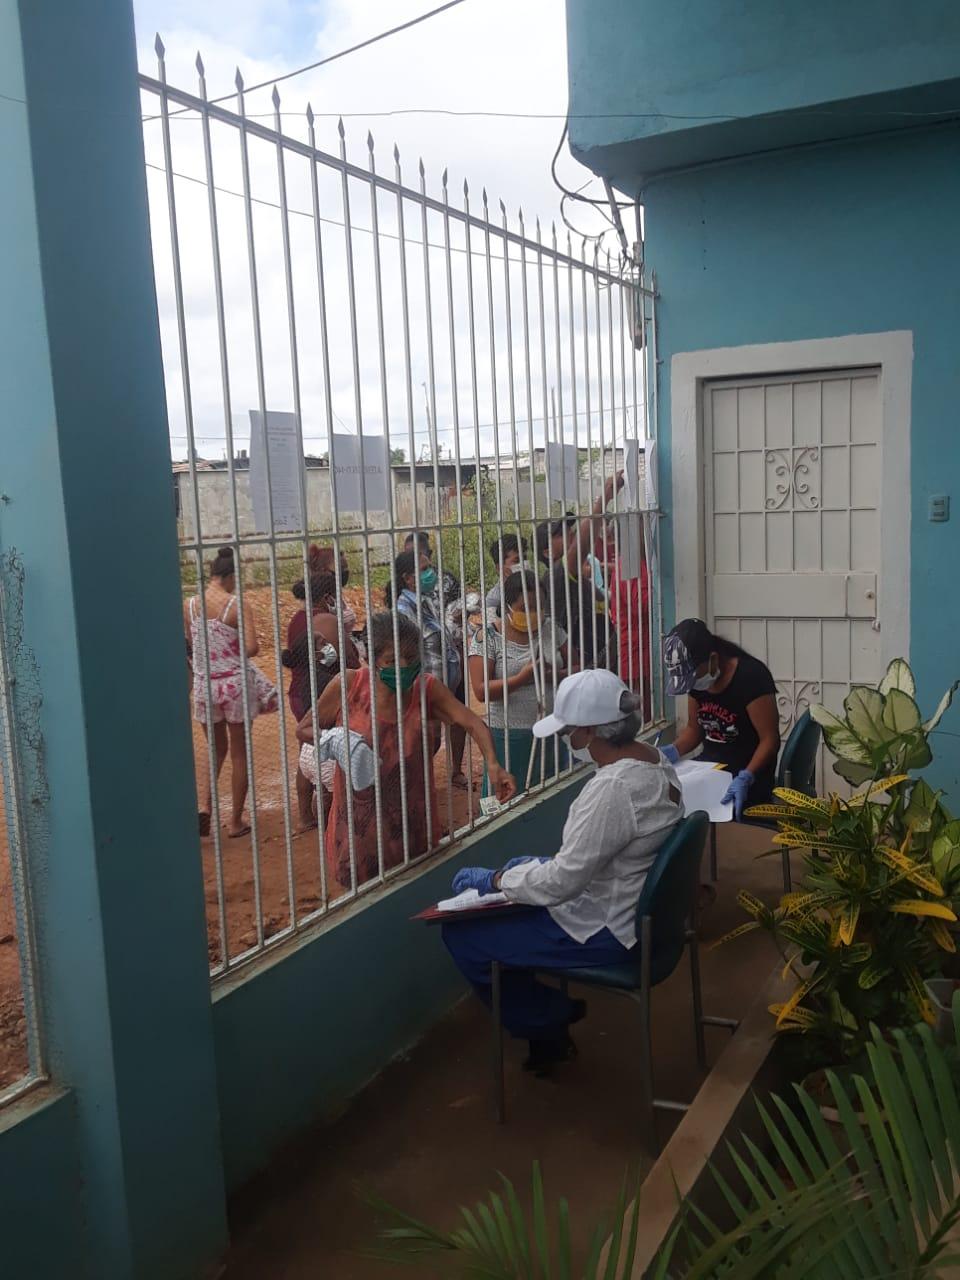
[
  {"x": 514, "y": 586},
  {"x": 322, "y": 584},
  {"x": 406, "y": 563},
  {"x": 223, "y": 566},
  {"x": 549, "y": 529},
  {"x": 509, "y": 542},
  {"x": 422, "y": 541},
  {"x": 381, "y": 633},
  {"x": 700, "y": 642}
]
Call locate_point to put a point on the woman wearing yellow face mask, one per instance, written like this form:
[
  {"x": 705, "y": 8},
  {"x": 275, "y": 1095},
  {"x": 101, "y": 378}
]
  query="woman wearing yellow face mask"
[{"x": 515, "y": 664}]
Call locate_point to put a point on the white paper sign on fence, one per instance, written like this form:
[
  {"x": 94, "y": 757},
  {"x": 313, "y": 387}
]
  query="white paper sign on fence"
[
  {"x": 631, "y": 475},
  {"x": 631, "y": 544},
  {"x": 280, "y": 484},
  {"x": 347, "y": 471},
  {"x": 563, "y": 472},
  {"x": 650, "y": 476}
]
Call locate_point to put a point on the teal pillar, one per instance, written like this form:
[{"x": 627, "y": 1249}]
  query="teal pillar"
[{"x": 87, "y": 501}]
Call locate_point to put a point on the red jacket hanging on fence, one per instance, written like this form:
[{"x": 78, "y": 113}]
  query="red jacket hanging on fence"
[{"x": 630, "y": 611}]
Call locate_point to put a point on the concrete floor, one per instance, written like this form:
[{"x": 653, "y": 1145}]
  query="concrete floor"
[{"x": 422, "y": 1135}]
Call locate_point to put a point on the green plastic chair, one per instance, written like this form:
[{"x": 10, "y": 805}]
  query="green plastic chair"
[
  {"x": 797, "y": 770},
  {"x": 666, "y": 924}
]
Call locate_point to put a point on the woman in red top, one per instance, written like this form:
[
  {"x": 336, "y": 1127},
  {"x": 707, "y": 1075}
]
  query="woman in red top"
[{"x": 393, "y": 683}]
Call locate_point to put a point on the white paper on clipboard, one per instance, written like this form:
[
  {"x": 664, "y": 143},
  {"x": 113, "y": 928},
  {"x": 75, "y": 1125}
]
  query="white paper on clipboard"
[{"x": 703, "y": 787}]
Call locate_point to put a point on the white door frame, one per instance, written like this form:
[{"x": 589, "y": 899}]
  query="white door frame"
[{"x": 893, "y": 354}]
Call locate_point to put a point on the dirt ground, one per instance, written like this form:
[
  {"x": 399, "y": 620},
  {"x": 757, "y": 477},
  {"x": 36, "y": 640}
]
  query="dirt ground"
[
  {"x": 13, "y": 1030},
  {"x": 239, "y": 907}
]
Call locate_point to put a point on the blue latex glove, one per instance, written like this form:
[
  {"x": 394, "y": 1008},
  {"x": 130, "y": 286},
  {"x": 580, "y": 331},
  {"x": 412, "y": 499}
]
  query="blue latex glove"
[
  {"x": 479, "y": 878},
  {"x": 737, "y": 792},
  {"x": 517, "y": 862},
  {"x": 670, "y": 754}
]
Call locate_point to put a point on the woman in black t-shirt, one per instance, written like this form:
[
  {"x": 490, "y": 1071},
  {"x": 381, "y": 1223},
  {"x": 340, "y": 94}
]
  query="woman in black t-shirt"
[{"x": 732, "y": 709}]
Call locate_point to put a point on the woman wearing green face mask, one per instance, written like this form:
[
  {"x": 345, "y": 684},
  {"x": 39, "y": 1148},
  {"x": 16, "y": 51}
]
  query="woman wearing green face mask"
[
  {"x": 394, "y": 676},
  {"x": 439, "y": 654}
]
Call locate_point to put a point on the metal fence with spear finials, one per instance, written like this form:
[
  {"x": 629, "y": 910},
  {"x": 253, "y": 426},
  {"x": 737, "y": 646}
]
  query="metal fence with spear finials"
[{"x": 299, "y": 288}]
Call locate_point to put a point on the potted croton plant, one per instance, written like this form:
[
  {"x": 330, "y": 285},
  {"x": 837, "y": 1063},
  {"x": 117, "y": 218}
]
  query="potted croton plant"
[{"x": 871, "y": 921}]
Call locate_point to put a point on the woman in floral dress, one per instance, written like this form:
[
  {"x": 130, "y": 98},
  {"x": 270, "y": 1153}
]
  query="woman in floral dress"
[{"x": 212, "y": 626}]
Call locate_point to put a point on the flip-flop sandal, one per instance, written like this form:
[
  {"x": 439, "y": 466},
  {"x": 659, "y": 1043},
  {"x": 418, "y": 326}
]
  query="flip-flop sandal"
[
  {"x": 203, "y": 820},
  {"x": 237, "y": 835}
]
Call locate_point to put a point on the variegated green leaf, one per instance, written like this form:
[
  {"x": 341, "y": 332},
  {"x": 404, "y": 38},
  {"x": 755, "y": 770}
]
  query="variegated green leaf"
[
  {"x": 901, "y": 714},
  {"x": 864, "y": 708},
  {"x": 899, "y": 676},
  {"x": 853, "y": 772},
  {"x": 942, "y": 707}
]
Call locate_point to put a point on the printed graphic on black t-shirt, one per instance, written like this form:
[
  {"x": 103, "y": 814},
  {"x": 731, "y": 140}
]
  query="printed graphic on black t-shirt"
[
  {"x": 729, "y": 736},
  {"x": 717, "y": 724}
]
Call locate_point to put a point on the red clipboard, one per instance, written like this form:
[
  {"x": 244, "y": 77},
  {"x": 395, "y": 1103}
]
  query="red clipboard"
[{"x": 431, "y": 915}]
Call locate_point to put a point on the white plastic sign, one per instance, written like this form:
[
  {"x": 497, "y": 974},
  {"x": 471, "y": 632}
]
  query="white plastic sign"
[
  {"x": 279, "y": 485},
  {"x": 563, "y": 472},
  {"x": 347, "y": 471}
]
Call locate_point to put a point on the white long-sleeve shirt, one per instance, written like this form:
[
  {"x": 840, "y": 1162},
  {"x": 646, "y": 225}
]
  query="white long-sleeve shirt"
[{"x": 610, "y": 839}]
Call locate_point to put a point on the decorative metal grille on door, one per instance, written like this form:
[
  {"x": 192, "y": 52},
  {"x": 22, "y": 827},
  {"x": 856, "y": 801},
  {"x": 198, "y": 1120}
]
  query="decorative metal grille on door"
[{"x": 792, "y": 493}]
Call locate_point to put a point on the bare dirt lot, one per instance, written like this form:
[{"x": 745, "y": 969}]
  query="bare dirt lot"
[{"x": 239, "y": 896}]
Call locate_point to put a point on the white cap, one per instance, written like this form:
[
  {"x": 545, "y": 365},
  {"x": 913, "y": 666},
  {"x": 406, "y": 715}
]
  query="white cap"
[{"x": 587, "y": 698}]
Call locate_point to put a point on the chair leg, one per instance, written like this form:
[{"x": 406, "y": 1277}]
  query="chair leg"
[
  {"x": 697, "y": 999},
  {"x": 646, "y": 1049},
  {"x": 714, "y": 869},
  {"x": 499, "y": 1103}
]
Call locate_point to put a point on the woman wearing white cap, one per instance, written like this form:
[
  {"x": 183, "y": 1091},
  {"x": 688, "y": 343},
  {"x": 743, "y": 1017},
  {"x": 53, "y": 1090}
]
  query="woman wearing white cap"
[{"x": 584, "y": 898}]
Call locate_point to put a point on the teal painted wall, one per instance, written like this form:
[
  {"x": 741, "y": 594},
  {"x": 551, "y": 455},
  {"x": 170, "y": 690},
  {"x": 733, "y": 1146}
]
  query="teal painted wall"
[
  {"x": 40, "y": 1222},
  {"x": 298, "y": 1038},
  {"x": 114, "y": 857},
  {"x": 295, "y": 1039},
  {"x": 684, "y": 59},
  {"x": 854, "y": 238}
]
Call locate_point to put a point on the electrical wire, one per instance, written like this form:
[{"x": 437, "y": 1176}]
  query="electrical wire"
[
  {"x": 333, "y": 57},
  {"x": 192, "y": 114},
  {"x": 729, "y": 117},
  {"x": 566, "y": 194}
]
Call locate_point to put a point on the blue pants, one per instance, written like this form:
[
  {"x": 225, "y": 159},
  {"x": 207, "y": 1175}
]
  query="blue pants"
[{"x": 526, "y": 939}]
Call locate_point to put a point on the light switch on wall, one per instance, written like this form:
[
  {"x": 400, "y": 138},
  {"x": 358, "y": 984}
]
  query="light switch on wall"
[{"x": 939, "y": 508}]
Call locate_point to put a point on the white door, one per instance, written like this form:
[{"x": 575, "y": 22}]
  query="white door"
[{"x": 792, "y": 495}]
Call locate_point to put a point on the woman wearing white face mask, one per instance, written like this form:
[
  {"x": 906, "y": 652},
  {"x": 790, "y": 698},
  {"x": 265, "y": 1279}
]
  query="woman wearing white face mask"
[
  {"x": 731, "y": 710},
  {"x": 325, "y": 629},
  {"x": 586, "y": 895}
]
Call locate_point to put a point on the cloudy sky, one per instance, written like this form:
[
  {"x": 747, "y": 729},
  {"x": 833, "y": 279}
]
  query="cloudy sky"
[{"x": 483, "y": 56}]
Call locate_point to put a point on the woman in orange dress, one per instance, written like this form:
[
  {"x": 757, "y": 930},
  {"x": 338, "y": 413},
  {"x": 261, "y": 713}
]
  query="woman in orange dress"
[{"x": 393, "y": 676}]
